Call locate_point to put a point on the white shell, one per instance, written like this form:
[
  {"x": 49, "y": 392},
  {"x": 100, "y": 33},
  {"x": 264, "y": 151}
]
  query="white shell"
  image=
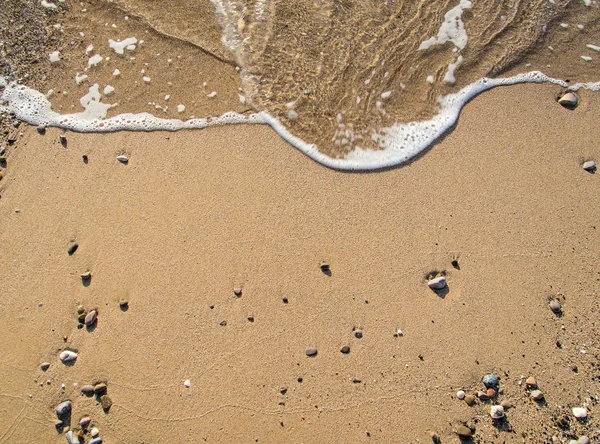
[{"x": 67, "y": 356}]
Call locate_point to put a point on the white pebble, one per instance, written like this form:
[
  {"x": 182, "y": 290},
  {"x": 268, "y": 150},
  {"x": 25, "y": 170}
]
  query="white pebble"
[
  {"x": 146, "y": 79},
  {"x": 94, "y": 432},
  {"x": 67, "y": 356},
  {"x": 579, "y": 412},
  {"x": 212, "y": 94},
  {"x": 438, "y": 283},
  {"x": 55, "y": 57},
  {"x": 180, "y": 108},
  {"x": 460, "y": 394},
  {"x": 116, "y": 73},
  {"x": 108, "y": 90},
  {"x": 187, "y": 383},
  {"x": 497, "y": 412}
]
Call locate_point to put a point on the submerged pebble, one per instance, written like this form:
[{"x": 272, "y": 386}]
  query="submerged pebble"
[{"x": 437, "y": 283}]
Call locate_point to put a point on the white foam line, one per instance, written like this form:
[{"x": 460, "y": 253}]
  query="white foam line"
[{"x": 399, "y": 143}]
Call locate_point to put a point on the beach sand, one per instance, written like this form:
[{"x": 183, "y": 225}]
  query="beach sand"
[
  {"x": 501, "y": 206},
  {"x": 195, "y": 214}
]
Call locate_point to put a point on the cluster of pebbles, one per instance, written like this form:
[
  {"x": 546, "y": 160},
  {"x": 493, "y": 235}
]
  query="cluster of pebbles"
[{"x": 75, "y": 435}]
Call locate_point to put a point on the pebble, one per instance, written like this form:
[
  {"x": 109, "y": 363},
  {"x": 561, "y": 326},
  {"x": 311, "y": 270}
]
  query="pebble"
[
  {"x": 490, "y": 380},
  {"x": 96, "y": 441},
  {"x": 85, "y": 421},
  {"x": 437, "y": 283},
  {"x": 497, "y": 412},
  {"x": 123, "y": 159},
  {"x": 187, "y": 383},
  {"x": 68, "y": 356},
  {"x": 106, "y": 402},
  {"x": 358, "y": 334},
  {"x": 90, "y": 318},
  {"x": 123, "y": 303},
  {"x": 63, "y": 140},
  {"x": 506, "y": 404},
  {"x": 45, "y": 366},
  {"x": 537, "y": 395},
  {"x": 94, "y": 432},
  {"x": 463, "y": 431},
  {"x": 583, "y": 440},
  {"x": 324, "y": 266},
  {"x": 80, "y": 309},
  {"x": 569, "y": 99},
  {"x": 460, "y": 395},
  {"x": 435, "y": 437},
  {"x": 345, "y": 349},
  {"x": 491, "y": 393},
  {"x": 579, "y": 412},
  {"x": 589, "y": 166},
  {"x": 555, "y": 306},
  {"x": 100, "y": 388},
  {"x": 41, "y": 129},
  {"x": 311, "y": 352},
  {"x": 531, "y": 382},
  {"x": 470, "y": 400},
  {"x": 72, "y": 438},
  {"x": 63, "y": 408},
  {"x": 86, "y": 276},
  {"x": 237, "y": 291},
  {"x": 87, "y": 389},
  {"x": 483, "y": 396},
  {"x": 59, "y": 424},
  {"x": 73, "y": 246}
]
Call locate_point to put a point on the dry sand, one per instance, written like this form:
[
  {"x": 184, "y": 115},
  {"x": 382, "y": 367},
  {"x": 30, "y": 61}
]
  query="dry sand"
[{"x": 194, "y": 215}]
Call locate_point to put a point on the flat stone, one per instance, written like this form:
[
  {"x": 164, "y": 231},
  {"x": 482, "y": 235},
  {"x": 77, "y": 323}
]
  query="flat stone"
[
  {"x": 437, "y": 283},
  {"x": 90, "y": 318},
  {"x": 490, "y": 380},
  {"x": 497, "y": 412},
  {"x": 72, "y": 438},
  {"x": 583, "y": 440},
  {"x": 63, "y": 139},
  {"x": 537, "y": 395},
  {"x": 311, "y": 352},
  {"x": 463, "y": 431},
  {"x": 579, "y": 412},
  {"x": 506, "y": 404},
  {"x": 100, "y": 388},
  {"x": 45, "y": 366},
  {"x": 72, "y": 248},
  {"x": 531, "y": 382},
  {"x": 555, "y": 306},
  {"x": 94, "y": 432},
  {"x": 470, "y": 400},
  {"x": 106, "y": 402},
  {"x": 569, "y": 99},
  {"x": 345, "y": 349},
  {"x": 87, "y": 389},
  {"x": 589, "y": 166},
  {"x": 68, "y": 356},
  {"x": 63, "y": 408},
  {"x": 123, "y": 159},
  {"x": 461, "y": 395},
  {"x": 85, "y": 421}
]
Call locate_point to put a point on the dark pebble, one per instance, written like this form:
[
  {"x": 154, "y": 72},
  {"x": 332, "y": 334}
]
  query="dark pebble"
[
  {"x": 358, "y": 334},
  {"x": 73, "y": 246},
  {"x": 87, "y": 389},
  {"x": 345, "y": 349},
  {"x": 100, "y": 388},
  {"x": 106, "y": 402}
]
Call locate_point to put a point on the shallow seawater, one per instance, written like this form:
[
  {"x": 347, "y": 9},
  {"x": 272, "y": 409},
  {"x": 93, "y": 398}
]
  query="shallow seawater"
[{"x": 340, "y": 78}]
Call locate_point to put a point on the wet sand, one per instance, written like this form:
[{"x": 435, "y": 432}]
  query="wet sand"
[{"x": 195, "y": 214}]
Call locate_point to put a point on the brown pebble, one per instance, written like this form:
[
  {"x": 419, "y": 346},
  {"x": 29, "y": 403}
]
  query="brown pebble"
[
  {"x": 80, "y": 309},
  {"x": 106, "y": 402},
  {"x": 483, "y": 396},
  {"x": 531, "y": 382},
  {"x": 506, "y": 404},
  {"x": 90, "y": 318},
  {"x": 311, "y": 352},
  {"x": 100, "y": 388},
  {"x": 470, "y": 400},
  {"x": 345, "y": 349},
  {"x": 87, "y": 389},
  {"x": 463, "y": 431},
  {"x": 491, "y": 393}
]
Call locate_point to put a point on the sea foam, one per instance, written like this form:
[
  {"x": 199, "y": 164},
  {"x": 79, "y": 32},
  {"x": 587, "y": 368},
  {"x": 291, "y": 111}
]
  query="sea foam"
[{"x": 398, "y": 144}]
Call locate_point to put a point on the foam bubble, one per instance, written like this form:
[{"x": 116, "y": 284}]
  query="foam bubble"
[{"x": 120, "y": 46}]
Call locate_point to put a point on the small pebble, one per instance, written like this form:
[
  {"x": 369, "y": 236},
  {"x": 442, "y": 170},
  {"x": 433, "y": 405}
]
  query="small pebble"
[
  {"x": 106, "y": 402},
  {"x": 358, "y": 334},
  {"x": 87, "y": 389},
  {"x": 497, "y": 412},
  {"x": 86, "y": 276},
  {"x": 555, "y": 306},
  {"x": 460, "y": 394},
  {"x": 463, "y": 431},
  {"x": 85, "y": 421},
  {"x": 345, "y": 349},
  {"x": 435, "y": 437},
  {"x": 324, "y": 266},
  {"x": 72, "y": 438},
  {"x": 123, "y": 303},
  {"x": 531, "y": 382},
  {"x": 90, "y": 318},
  {"x": 470, "y": 400},
  {"x": 483, "y": 396},
  {"x": 237, "y": 291},
  {"x": 96, "y": 441},
  {"x": 506, "y": 404},
  {"x": 45, "y": 366},
  {"x": 589, "y": 166},
  {"x": 583, "y": 440},
  {"x": 187, "y": 383},
  {"x": 569, "y": 99},
  {"x": 437, "y": 283},
  {"x": 94, "y": 432},
  {"x": 63, "y": 408},
  {"x": 73, "y": 246},
  {"x": 356, "y": 380},
  {"x": 59, "y": 424},
  {"x": 311, "y": 352},
  {"x": 491, "y": 393},
  {"x": 68, "y": 356},
  {"x": 490, "y": 380},
  {"x": 537, "y": 395},
  {"x": 100, "y": 388},
  {"x": 41, "y": 129},
  {"x": 123, "y": 159},
  {"x": 80, "y": 309},
  {"x": 579, "y": 412},
  {"x": 63, "y": 140}
]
